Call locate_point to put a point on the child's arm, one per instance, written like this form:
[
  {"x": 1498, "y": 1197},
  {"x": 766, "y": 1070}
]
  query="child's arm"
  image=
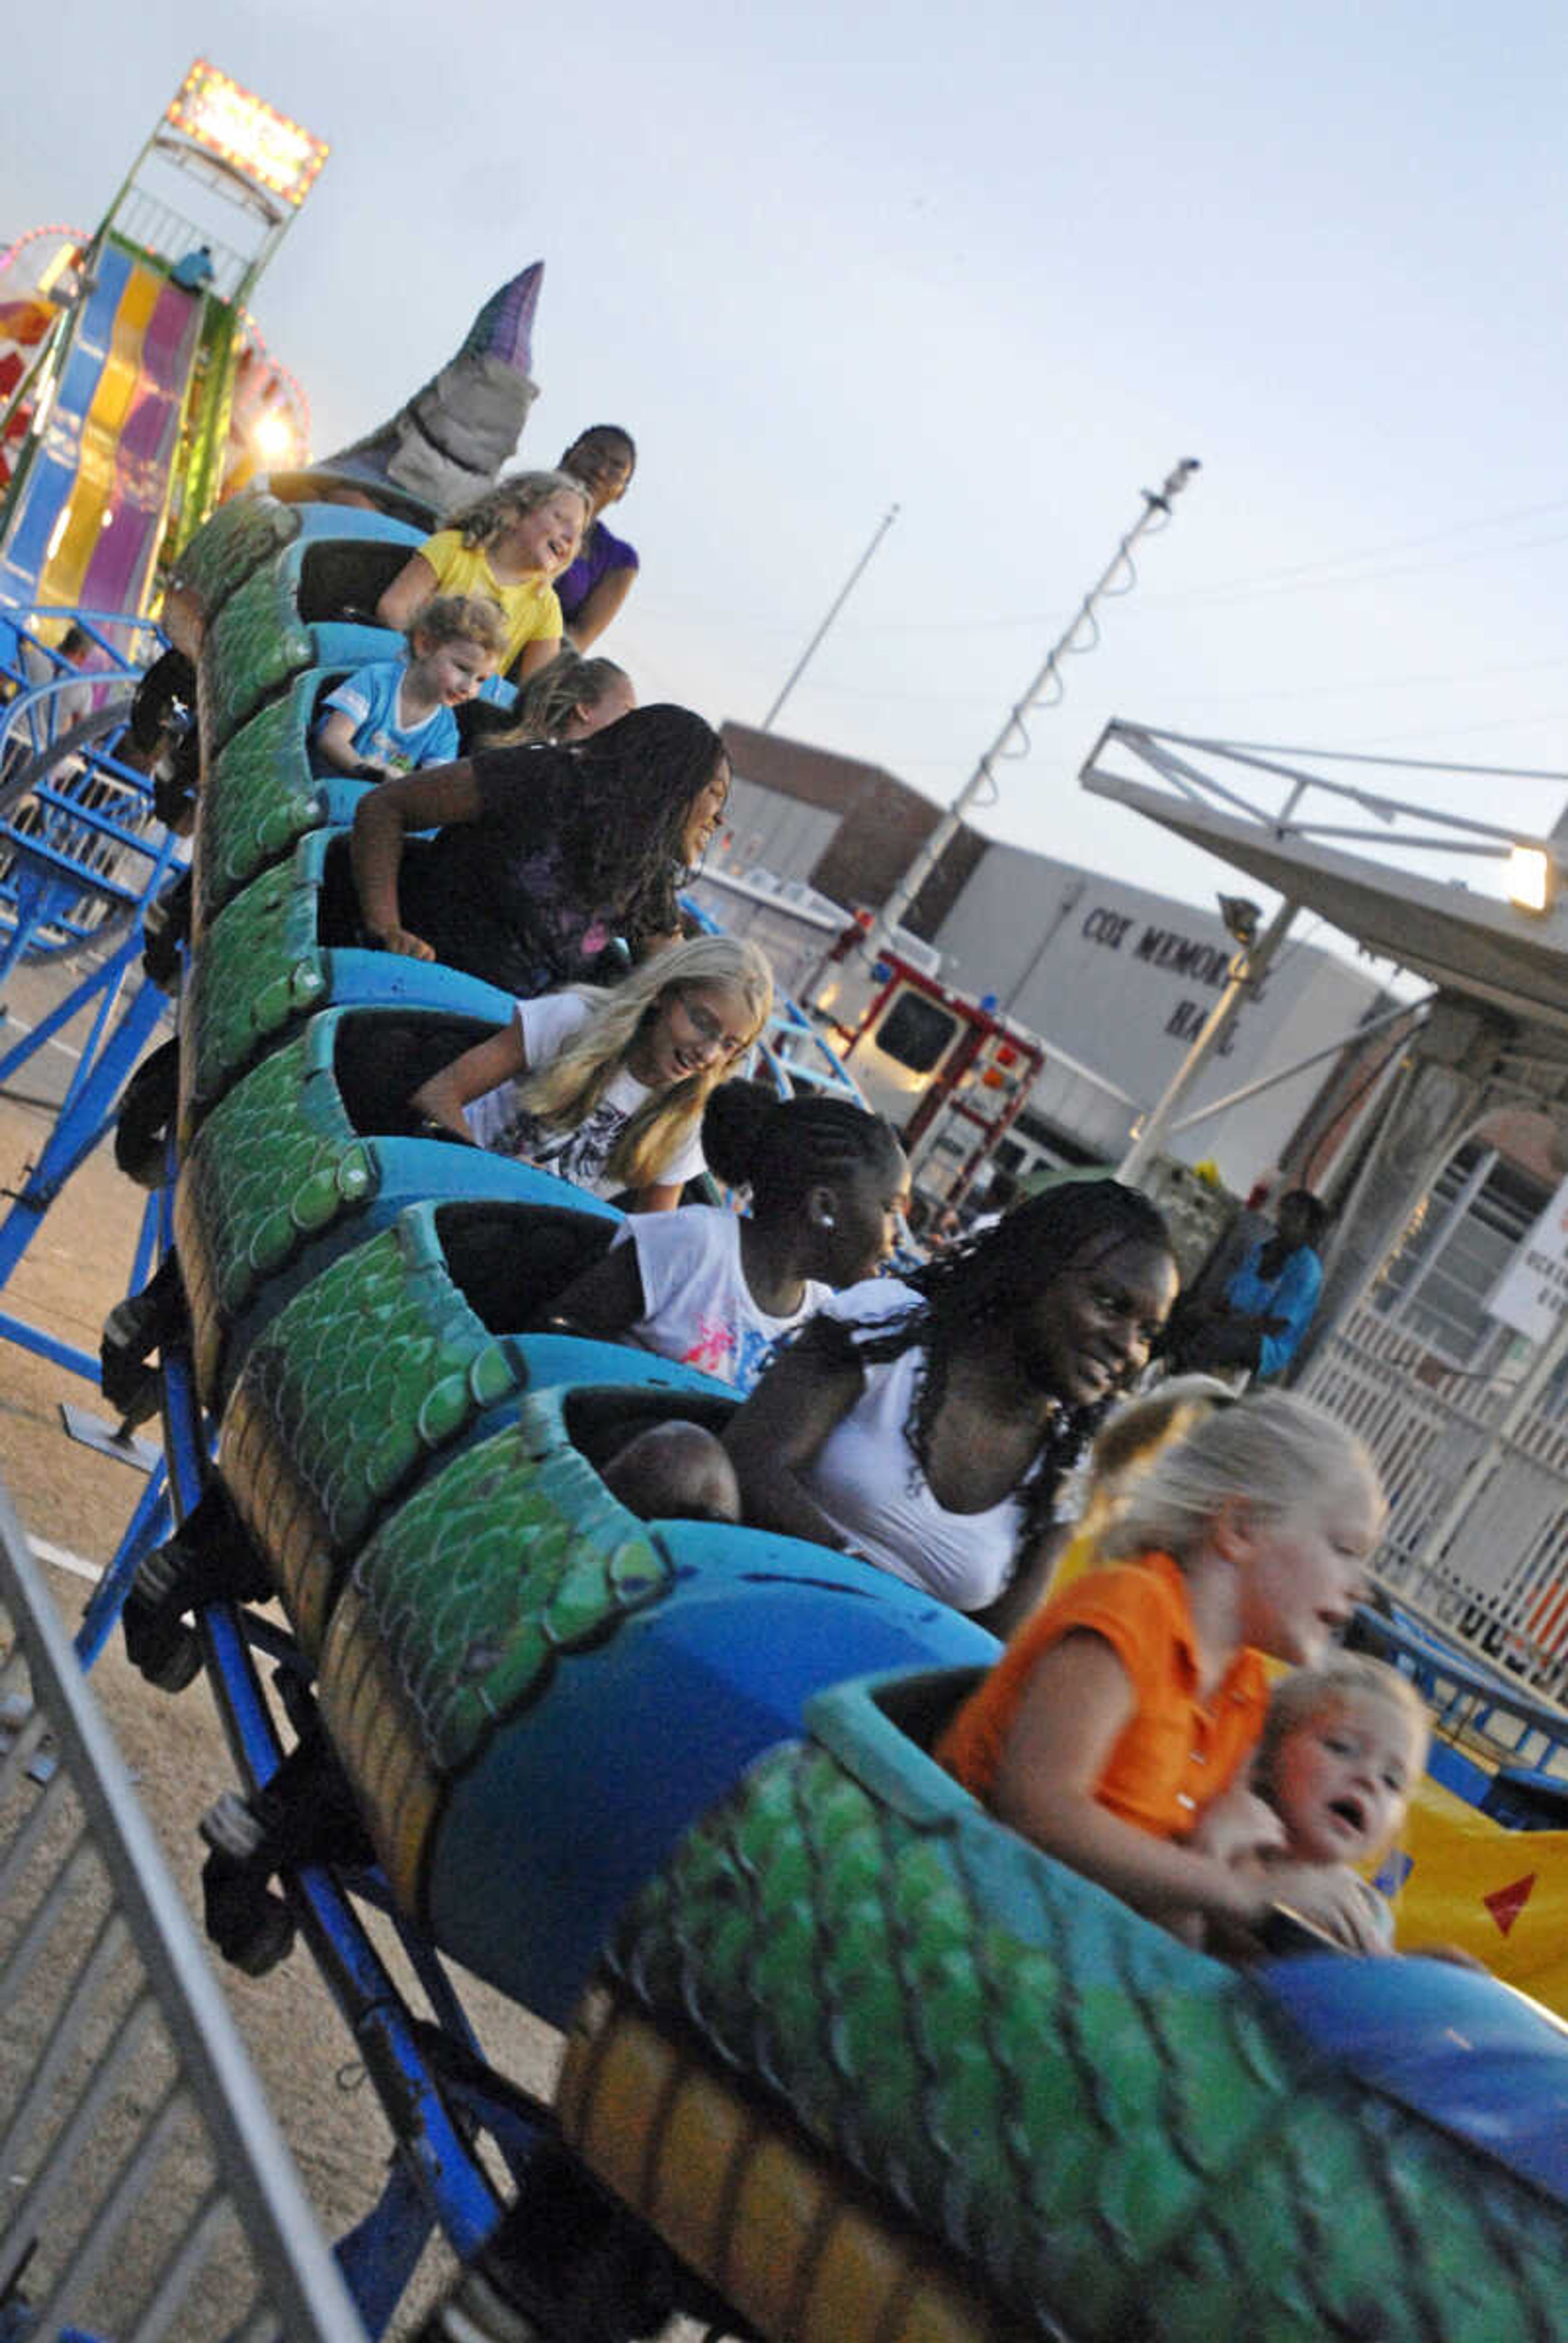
[
  {"x": 501, "y": 1057},
  {"x": 1239, "y": 1828},
  {"x": 661, "y": 1197},
  {"x": 602, "y": 606},
  {"x": 335, "y": 745},
  {"x": 424, "y": 800},
  {"x": 534, "y": 655},
  {"x": 607, "y": 1299},
  {"x": 402, "y": 601},
  {"x": 1077, "y": 1704}
]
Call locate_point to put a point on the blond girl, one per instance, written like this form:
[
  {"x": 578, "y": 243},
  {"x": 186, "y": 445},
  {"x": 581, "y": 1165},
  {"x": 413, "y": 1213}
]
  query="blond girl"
[
  {"x": 606, "y": 1088},
  {"x": 510, "y": 544}
]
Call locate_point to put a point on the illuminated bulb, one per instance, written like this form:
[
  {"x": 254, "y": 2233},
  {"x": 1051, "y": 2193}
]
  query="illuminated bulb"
[
  {"x": 1531, "y": 879},
  {"x": 273, "y": 438}
]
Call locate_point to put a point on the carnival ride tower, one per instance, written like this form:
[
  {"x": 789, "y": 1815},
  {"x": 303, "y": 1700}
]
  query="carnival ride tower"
[{"x": 131, "y": 386}]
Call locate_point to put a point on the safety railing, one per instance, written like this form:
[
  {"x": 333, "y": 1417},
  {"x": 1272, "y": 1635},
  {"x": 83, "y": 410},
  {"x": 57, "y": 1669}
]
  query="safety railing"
[
  {"x": 1495, "y": 1577},
  {"x": 146, "y": 2189}
]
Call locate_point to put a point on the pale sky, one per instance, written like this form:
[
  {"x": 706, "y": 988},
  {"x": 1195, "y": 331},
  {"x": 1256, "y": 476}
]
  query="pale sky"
[{"x": 1004, "y": 266}]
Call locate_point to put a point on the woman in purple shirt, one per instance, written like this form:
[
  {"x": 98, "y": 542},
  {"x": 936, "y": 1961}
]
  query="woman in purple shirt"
[{"x": 592, "y": 589}]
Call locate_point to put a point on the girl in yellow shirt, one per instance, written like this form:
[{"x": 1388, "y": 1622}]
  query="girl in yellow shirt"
[{"x": 508, "y": 545}]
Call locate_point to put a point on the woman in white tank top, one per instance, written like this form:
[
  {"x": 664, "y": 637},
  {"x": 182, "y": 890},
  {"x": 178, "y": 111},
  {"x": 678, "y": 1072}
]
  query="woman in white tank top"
[{"x": 925, "y": 1423}]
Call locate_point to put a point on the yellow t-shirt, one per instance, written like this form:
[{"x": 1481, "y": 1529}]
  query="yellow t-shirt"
[{"x": 532, "y": 612}]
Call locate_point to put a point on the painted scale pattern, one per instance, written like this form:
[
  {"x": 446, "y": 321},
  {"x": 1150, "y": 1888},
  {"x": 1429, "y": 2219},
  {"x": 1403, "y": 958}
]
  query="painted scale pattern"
[
  {"x": 222, "y": 554},
  {"x": 262, "y": 970},
  {"x": 1179, "y": 2166},
  {"x": 261, "y": 797},
  {"x": 460, "y": 1611},
  {"x": 373, "y": 1368},
  {"x": 275, "y": 1164},
  {"x": 251, "y": 647}
]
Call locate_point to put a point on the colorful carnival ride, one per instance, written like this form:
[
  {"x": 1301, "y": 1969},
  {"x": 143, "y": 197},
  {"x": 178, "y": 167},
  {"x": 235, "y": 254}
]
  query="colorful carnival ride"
[
  {"x": 845, "y": 2058},
  {"x": 136, "y": 392},
  {"x": 125, "y": 348}
]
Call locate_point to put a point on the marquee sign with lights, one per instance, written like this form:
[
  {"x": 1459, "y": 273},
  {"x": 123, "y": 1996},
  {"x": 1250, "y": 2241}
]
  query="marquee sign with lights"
[{"x": 245, "y": 133}]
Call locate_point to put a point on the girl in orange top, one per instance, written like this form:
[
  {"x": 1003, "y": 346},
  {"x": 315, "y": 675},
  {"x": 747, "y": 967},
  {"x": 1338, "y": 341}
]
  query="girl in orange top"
[{"x": 1130, "y": 1702}]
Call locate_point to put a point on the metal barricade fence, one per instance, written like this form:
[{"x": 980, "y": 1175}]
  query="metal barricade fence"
[
  {"x": 144, "y": 2189},
  {"x": 1495, "y": 1575}
]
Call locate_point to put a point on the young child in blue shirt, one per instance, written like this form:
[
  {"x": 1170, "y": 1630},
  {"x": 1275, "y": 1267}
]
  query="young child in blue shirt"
[{"x": 396, "y": 715}]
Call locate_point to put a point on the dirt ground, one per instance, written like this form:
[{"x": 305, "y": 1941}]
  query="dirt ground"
[{"x": 77, "y": 1267}]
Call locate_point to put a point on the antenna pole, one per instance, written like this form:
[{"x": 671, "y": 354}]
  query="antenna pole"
[
  {"x": 1118, "y": 577},
  {"x": 801, "y": 664}
]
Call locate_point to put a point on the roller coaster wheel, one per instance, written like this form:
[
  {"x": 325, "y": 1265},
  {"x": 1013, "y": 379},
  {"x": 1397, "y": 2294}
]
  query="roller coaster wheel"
[
  {"x": 163, "y": 704},
  {"x": 478, "y": 2313},
  {"x": 160, "y": 1646},
  {"x": 166, "y": 928},
  {"x": 137, "y": 1327},
  {"x": 567, "y": 2265},
  {"x": 229, "y": 1827},
  {"x": 209, "y": 1559},
  {"x": 270, "y": 1940},
  {"x": 252, "y": 1927},
  {"x": 180, "y": 1665}
]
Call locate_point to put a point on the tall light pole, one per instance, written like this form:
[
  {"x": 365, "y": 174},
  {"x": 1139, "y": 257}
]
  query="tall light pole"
[
  {"x": 1246, "y": 970},
  {"x": 848, "y": 587},
  {"x": 1014, "y": 738}
]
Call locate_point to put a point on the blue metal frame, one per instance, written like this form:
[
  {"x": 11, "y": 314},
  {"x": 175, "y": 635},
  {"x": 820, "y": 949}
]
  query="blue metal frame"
[
  {"x": 51, "y": 869},
  {"x": 436, "y": 2176},
  {"x": 89, "y": 1112}
]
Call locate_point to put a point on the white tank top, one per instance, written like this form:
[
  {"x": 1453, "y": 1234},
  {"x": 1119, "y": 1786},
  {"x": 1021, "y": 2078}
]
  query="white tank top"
[{"x": 869, "y": 1483}]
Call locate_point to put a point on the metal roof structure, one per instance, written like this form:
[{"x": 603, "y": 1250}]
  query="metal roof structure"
[{"x": 1343, "y": 849}]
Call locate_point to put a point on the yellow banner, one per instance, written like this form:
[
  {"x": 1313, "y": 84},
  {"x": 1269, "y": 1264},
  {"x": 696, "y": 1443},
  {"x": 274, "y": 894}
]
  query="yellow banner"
[{"x": 1501, "y": 1895}]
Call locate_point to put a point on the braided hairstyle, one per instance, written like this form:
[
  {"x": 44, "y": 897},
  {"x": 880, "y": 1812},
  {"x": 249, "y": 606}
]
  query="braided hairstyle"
[
  {"x": 783, "y": 1148},
  {"x": 986, "y": 1280},
  {"x": 621, "y": 801}
]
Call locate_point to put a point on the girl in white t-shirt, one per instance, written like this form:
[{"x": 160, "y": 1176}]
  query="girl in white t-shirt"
[
  {"x": 717, "y": 1291},
  {"x": 607, "y": 1087}
]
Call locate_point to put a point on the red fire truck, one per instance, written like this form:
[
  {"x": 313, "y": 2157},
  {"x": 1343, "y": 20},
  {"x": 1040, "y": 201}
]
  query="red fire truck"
[{"x": 952, "y": 1072}]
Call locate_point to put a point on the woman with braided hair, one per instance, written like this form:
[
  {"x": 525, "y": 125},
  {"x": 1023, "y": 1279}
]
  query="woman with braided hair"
[
  {"x": 827, "y": 1181},
  {"x": 924, "y": 1423},
  {"x": 542, "y": 854}
]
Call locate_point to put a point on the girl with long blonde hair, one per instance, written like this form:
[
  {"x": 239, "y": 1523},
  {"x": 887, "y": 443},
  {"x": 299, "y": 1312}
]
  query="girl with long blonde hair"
[
  {"x": 607, "y": 1086},
  {"x": 567, "y": 701}
]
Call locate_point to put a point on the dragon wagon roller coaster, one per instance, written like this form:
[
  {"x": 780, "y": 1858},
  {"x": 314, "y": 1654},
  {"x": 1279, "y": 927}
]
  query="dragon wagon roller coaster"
[{"x": 844, "y": 2058}]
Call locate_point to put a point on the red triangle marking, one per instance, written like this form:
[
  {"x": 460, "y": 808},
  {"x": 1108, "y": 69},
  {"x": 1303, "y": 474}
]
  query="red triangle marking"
[{"x": 1505, "y": 1903}]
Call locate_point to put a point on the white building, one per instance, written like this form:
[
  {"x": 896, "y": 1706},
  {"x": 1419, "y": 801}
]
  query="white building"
[{"x": 1118, "y": 982}]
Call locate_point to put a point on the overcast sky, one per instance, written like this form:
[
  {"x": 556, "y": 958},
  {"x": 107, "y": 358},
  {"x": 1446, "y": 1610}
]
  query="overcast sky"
[{"x": 1002, "y": 266}]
